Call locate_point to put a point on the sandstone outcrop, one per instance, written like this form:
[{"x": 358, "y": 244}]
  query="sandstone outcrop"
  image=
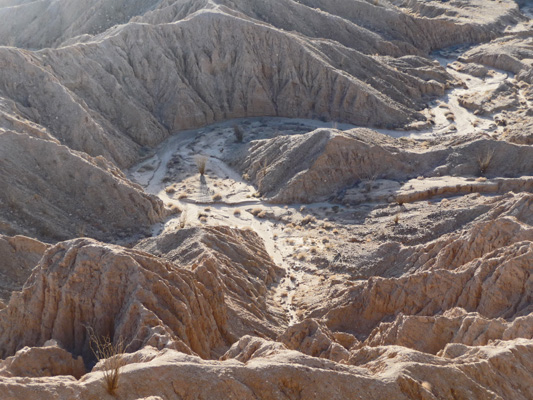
[
  {"x": 318, "y": 165},
  {"x": 199, "y": 306},
  {"x": 54, "y": 193},
  {"x": 35, "y": 362},
  {"x": 18, "y": 256},
  {"x": 114, "y": 104},
  {"x": 243, "y": 267},
  {"x": 310, "y": 338},
  {"x": 501, "y": 369},
  {"x": 512, "y": 53}
]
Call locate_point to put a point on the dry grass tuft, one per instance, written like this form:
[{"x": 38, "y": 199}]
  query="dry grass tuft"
[
  {"x": 201, "y": 163},
  {"x": 111, "y": 354},
  {"x": 183, "y": 219},
  {"x": 308, "y": 219},
  {"x": 484, "y": 159},
  {"x": 396, "y": 219},
  {"x": 256, "y": 211},
  {"x": 174, "y": 209},
  {"x": 239, "y": 134}
]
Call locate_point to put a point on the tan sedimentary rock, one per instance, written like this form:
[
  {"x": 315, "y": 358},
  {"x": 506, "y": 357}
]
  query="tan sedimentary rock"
[
  {"x": 418, "y": 190},
  {"x": 54, "y": 193},
  {"x": 18, "y": 256},
  {"x": 409, "y": 25},
  {"x": 431, "y": 334},
  {"x": 243, "y": 267},
  {"x": 496, "y": 285},
  {"x": 501, "y": 369},
  {"x": 326, "y": 162},
  {"x": 114, "y": 104},
  {"x": 511, "y": 53},
  {"x": 201, "y": 307},
  {"x": 249, "y": 347},
  {"x": 313, "y": 339},
  {"x": 49, "y": 360}
]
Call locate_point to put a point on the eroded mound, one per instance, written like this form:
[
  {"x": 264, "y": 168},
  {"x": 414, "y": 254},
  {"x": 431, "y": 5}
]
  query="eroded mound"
[
  {"x": 54, "y": 193},
  {"x": 198, "y": 306},
  {"x": 328, "y": 163}
]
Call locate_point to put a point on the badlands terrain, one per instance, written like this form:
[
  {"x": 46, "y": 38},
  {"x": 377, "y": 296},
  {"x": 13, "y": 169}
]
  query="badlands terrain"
[{"x": 266, "y": 199}]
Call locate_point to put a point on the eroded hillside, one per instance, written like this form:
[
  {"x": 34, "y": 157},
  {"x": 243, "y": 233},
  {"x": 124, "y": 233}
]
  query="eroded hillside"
[{"x": 276, "y": 199}]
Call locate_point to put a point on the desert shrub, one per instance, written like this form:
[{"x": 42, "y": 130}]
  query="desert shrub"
[
  {"x": 110, "y": 353},
  {"x": 396, "y": 219},
  {"x": 174, "y": 209},
  {"x": 484, "y": 159},
  {"x": 255, "y": 211},
  {"x": 183, "y": 219},
  {"x": 239, "y": 134},
  {"x": 308, "y": 219},
  {"x": 217, "y": 197},
  {"x": 201, "y": 163}
]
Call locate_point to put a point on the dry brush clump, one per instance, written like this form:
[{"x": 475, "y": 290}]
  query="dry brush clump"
[
  {"x": 109, "y": 353},
  {"x": 239, "y": 134},
  {"x": 201, "y": 163},
  {"x": 308, "y": 219},
  {"x": 484, "y": 159},
  {"x": 183, "y": 219}
]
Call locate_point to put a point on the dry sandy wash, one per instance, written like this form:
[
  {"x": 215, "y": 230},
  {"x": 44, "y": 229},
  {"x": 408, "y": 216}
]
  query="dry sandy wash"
[{"x": 266, "y": 199}]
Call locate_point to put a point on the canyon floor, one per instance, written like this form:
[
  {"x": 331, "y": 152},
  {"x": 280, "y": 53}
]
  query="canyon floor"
[{"x": 214, "y": 199}]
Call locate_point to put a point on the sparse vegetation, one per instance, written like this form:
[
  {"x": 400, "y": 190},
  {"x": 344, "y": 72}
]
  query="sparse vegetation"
[
  {"x": 174, "y": 209},
  {"x": 484, "y": 159},
  {"x": 327, "y": 226},
  {"x": 183, "y": 219},
  {"x": 239, "y": 134},
  {"x": 237, "y": 212},
  {"x": 255, "y": 211},
  {"x": 396, "y": 219},
  {"x": 217, "y": 197},
  {"x": 201, "y": 163},
  {"x": 308, "y": 219},
  {"x": 110, "y": 354}
]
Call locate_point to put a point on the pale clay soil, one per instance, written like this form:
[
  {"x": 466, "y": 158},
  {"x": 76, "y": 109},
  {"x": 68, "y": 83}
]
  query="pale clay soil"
[{"x": 223, "y": 197}]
